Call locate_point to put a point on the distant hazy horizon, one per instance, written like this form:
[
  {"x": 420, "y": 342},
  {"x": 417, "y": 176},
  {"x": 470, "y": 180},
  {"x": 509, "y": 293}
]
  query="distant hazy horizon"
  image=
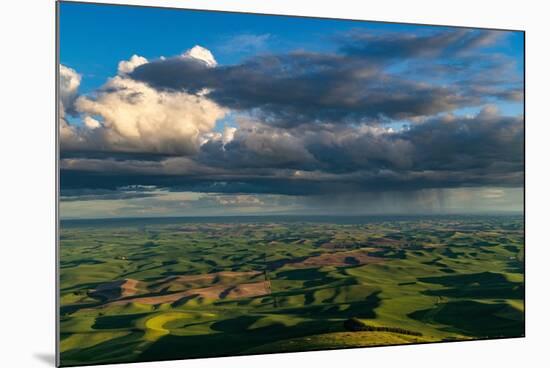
[{"x": 298, "y": 217}]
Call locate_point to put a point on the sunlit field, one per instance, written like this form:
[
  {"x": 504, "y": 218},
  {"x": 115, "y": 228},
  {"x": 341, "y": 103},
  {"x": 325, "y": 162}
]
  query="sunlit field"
[{"x": 157, "y": 289}]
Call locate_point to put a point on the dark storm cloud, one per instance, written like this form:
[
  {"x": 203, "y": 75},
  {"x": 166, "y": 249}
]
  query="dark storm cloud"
[
  {"x": 77, "y": 179},
  {"x": 380, "y": 181},
  {"x": 176, "y": 73},
  {"x": 256, "y": 146},
  {"x": 404, "y": 46},
  {"x": 476, "y": 148},
  {"x": 443, "y": 152},
  {"x": 356, "y": 84},
  {"x": 303, "y": 87},
  {"x": 487, "y": 142},
  {"x": 329, "y": 148},
  {"x": 447, "y": 143}
]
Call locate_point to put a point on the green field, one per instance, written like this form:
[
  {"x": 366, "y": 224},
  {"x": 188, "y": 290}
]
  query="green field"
[{"x": 140, "y": 290}]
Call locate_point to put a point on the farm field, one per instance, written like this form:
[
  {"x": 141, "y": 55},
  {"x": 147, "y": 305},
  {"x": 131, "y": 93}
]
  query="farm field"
[{"x": 174, "y": 288}]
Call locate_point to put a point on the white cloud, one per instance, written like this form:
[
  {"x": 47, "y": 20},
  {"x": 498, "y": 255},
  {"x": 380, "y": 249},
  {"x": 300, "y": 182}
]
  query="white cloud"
[
  {"x": 69, "y": 81},
  {"x": 67, "y": 133},
  {"x": 129, "y": 116},
  {"x": 202, "y": 54},
  {"x": 137, "y": 117},
  {"x": 91, "y": 123},
  {"x": 226, "y": 137},
  {"x": 128, "y": 66},
  {"x": 228, "y": 134},
  {"x": 238, "y": 200}
]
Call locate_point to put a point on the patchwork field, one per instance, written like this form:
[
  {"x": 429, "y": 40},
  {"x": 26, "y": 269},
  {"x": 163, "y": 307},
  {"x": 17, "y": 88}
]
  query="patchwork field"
[{"x": 158, "y": 289}]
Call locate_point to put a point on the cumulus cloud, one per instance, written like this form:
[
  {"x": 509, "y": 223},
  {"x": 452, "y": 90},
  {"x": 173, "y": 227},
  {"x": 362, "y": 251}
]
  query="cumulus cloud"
[
  {"x": 200, "y": 54},
  {"x": 129, "y": 116},
  {"x": 138, "y": 118},
  {"x": 128, "y": 66},
  {"x": 69, "y": 81},
  {"x": 67, "y": 133}
]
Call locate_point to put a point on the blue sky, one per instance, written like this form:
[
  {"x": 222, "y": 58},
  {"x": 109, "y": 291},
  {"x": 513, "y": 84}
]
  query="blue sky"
[
  {"x": 94, "y": 38},
  {"x": 299, "y": 115}
]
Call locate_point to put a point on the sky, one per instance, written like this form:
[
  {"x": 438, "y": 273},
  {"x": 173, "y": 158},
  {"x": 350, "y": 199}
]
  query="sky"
[{"x": 169, "y": 112}]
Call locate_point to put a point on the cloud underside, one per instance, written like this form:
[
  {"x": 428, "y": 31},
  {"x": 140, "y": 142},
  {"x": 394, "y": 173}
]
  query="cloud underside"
[
  {"x": 483, "y": 150},
  {"x": 300, "y": 123}
]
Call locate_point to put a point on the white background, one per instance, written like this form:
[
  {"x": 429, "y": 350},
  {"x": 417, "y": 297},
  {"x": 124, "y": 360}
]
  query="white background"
[{"x": 27, "y": 181}]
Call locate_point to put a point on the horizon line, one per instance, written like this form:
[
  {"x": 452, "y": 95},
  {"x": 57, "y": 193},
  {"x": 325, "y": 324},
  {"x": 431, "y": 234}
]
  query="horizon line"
[{"x": 496, "y": 213}]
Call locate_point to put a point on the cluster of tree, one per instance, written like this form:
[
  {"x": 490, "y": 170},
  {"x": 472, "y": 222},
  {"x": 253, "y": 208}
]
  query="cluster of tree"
[
  {"x": 149, "y": 244},
  {"x": 355, "y": 324}
]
